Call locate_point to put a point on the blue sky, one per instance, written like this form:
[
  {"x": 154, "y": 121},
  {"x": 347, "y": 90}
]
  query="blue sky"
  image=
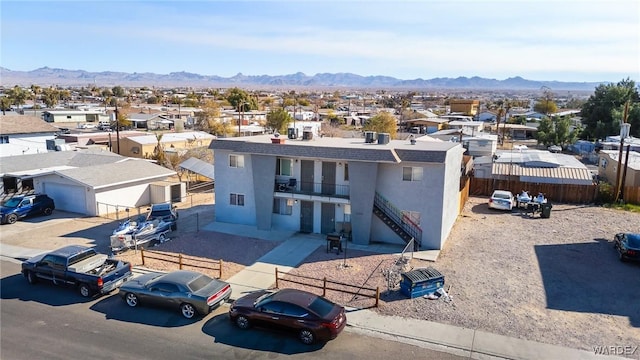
[{"x": 538, "y": 40}]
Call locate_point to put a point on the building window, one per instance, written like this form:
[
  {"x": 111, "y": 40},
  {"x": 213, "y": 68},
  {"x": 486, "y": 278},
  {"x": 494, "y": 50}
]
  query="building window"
[
  {"x": 68, "y": 116},
  {"x": 346, "y": 172},
  {"x": 236, "y": 161},
  {"x": 284, "y": 167},
  {"x": 4, "y": 139},
  {"x": 283, "y": 206},
  {"x": 411, "y": 173},
  {"x": 236, "y": 199}
]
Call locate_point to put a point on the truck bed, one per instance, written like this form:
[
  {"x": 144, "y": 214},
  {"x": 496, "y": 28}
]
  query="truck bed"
[{"x": 86, "y": 265}]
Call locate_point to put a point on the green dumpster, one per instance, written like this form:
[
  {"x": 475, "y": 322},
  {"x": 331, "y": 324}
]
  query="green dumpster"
[{"x": 545, "y": 211}]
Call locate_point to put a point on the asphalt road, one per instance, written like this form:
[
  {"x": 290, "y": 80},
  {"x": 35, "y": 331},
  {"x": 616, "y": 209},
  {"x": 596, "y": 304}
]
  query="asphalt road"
[{"x": 47, "y": 322}]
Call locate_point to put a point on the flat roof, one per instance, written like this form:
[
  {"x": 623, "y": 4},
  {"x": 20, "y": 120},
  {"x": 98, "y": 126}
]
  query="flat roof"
[{"x": 340, "y": 148}]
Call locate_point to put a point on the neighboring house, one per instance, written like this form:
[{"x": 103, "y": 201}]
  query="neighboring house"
[
  {"x": 147, "y": 121},
  {"x": 613, "y": 143},
  {"x": 75, "y": 116},
  {"x": 464, "y": 106},
  {"x": 24, "y": 134},
  {"x": 480, "y": 144},
  {"x": 107, "y": 139},
  {"x": 487, "y": 116},
  {"x": 517, "y": 131},
  {"x": 388, "y": 191},
  {"x": 144, "y": 146},
  {"x": 467, "y": 127},
  {"x": 533, "y": 166},
  {"x": 426, "y": 125},
  {"x": 608, "y": 166},
  {"x": 88, "y": 182}
]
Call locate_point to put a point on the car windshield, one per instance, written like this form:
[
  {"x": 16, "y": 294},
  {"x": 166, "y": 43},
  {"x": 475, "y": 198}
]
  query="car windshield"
[
  {"x": 634, "y": 240},
  {"x": 501, "y": 196},
  {"x": 321, "y": 306},
  {"x": 12, "y": 203},
  {"x": 263, "y": 298},
  {"x": 150, "y": 281},
  {"x": 199, "y": 282},
  {"x": 160, "y": 213}
]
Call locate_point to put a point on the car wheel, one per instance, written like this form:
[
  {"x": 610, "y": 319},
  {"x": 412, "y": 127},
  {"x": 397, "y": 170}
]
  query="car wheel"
[
  {"x": 12, "y": 218},
  {"x": 131, "y": 299},
  {"x": 48, "y": 211},
  {"x": 621, "y": 256},
  {"x": 31, "y": 277},
  {"x": 306, "y": 336},
  {"x": 84, "y": 290},
  {"x": 162, "y": 238},
  {"x": 242, "y": 322},
  {"x": 187, "y": 310}
]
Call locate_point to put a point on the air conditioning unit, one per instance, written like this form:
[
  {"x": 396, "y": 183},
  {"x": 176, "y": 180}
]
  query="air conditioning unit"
[
  {"x": 369, "y": 137},
  {"x": 383, "y": 138}
]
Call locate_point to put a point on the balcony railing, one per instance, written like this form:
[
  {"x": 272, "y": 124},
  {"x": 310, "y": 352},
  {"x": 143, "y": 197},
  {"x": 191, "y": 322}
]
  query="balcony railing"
[{"x": 312, "y": 188}]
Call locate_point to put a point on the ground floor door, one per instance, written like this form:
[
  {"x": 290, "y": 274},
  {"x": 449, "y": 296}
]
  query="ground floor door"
[
  {"x": 306, "y": 216},
  {"x": 328, "y": 220}
]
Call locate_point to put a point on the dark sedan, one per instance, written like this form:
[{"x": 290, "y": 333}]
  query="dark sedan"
[
  {"x": 628, "y": 246},
  {"x": 311, "y": 317},
  {"x": 189, "y": 291}
]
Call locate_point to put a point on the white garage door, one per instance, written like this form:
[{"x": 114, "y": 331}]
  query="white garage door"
[{"x": 67, "y": 197}]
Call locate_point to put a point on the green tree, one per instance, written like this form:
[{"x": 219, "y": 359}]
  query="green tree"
[
  {"x": 158, "y": 152},
  {"x": 17, "y": 95},
  {"x": 556, "y": 132},
  {"x": 546, "y": 105},
  {"x": 51, "y": 96},
  {"x": 238, "y": 97},
  {"x": 602, "y": 113},
  {"x": 383, "y": 122},
  {"x": 118, "y": 91},
  {"x": 5, "y": 104},
  {"x": 278, "y": 120}
]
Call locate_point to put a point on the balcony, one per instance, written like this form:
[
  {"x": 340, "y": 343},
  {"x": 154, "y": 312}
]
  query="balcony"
[{"x": 293, "y": 186}]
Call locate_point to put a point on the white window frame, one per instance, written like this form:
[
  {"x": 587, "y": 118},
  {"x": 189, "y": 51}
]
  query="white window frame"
[
  {"x": 236, "y": 161},
  {"x": 280, "y": 167},
  {"x": 416, "y": 173}
]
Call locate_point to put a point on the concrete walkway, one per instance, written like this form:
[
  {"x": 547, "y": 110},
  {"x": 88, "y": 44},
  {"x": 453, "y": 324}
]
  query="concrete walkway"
[{"x": 475, "y": 344}]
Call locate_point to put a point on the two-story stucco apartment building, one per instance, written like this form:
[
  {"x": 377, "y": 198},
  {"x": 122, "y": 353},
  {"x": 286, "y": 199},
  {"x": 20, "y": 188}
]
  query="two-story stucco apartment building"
[{"x": 376, "y": 191}]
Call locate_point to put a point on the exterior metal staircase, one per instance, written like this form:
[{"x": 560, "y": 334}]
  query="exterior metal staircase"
[{"x": 401, "y": 224}]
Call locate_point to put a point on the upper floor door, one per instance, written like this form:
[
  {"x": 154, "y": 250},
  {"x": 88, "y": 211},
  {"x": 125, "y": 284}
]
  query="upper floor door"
[{"x": 328, "y": 178}]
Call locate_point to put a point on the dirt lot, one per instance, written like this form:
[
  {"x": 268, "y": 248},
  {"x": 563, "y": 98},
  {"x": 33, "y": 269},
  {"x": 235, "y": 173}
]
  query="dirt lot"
[{"x": 555, "y": 280}]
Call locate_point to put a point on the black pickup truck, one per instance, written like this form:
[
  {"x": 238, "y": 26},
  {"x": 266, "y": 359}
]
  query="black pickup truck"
[{"x": 80, "y": 267}]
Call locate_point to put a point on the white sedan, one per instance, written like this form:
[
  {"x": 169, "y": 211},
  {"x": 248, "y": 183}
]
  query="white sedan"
[{"x": 501, "y": 200}]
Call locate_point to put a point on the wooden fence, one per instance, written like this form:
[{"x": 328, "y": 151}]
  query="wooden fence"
[
  {"x": 183, "y": 260},
  {"x": 632, "y": 195},
  {"x": 373, "y": 293},
  {"x": 564, "y": 193}
]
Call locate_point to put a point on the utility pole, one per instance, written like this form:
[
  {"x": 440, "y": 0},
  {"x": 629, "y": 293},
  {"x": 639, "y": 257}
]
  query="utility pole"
[
  {"x": 117, "y": 129},
  {"x": 619, "y": 169}
]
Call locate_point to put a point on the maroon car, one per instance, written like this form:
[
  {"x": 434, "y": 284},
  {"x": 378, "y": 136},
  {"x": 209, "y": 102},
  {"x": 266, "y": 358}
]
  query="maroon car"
[{"x": 311, "y": 317}]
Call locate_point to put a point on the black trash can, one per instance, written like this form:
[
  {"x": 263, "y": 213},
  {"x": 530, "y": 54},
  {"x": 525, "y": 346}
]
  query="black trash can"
[{"x": 545, "y": 211}]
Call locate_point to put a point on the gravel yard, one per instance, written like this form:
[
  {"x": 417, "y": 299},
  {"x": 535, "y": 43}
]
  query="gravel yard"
[{"x": 555, "y": 280}]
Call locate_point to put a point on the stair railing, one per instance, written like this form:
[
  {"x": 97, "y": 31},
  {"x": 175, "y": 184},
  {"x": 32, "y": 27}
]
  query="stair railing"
[{"x": 409, "y": 226}]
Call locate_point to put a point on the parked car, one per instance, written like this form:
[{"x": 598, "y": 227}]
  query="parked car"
[
  {"x": 80, "y": 267},
  {"x": 166, "y": 212},
  {"x": 188, "y": 291},
  {"x": 19, "y": 207},
  {"x": 628, "y": 246},
  {"x": 501, "y": 200},
  {"x": 311, "y": 317}
]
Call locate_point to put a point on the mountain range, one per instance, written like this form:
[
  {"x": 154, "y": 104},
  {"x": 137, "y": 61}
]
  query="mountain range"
[{"x": 46, "y": 76}]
